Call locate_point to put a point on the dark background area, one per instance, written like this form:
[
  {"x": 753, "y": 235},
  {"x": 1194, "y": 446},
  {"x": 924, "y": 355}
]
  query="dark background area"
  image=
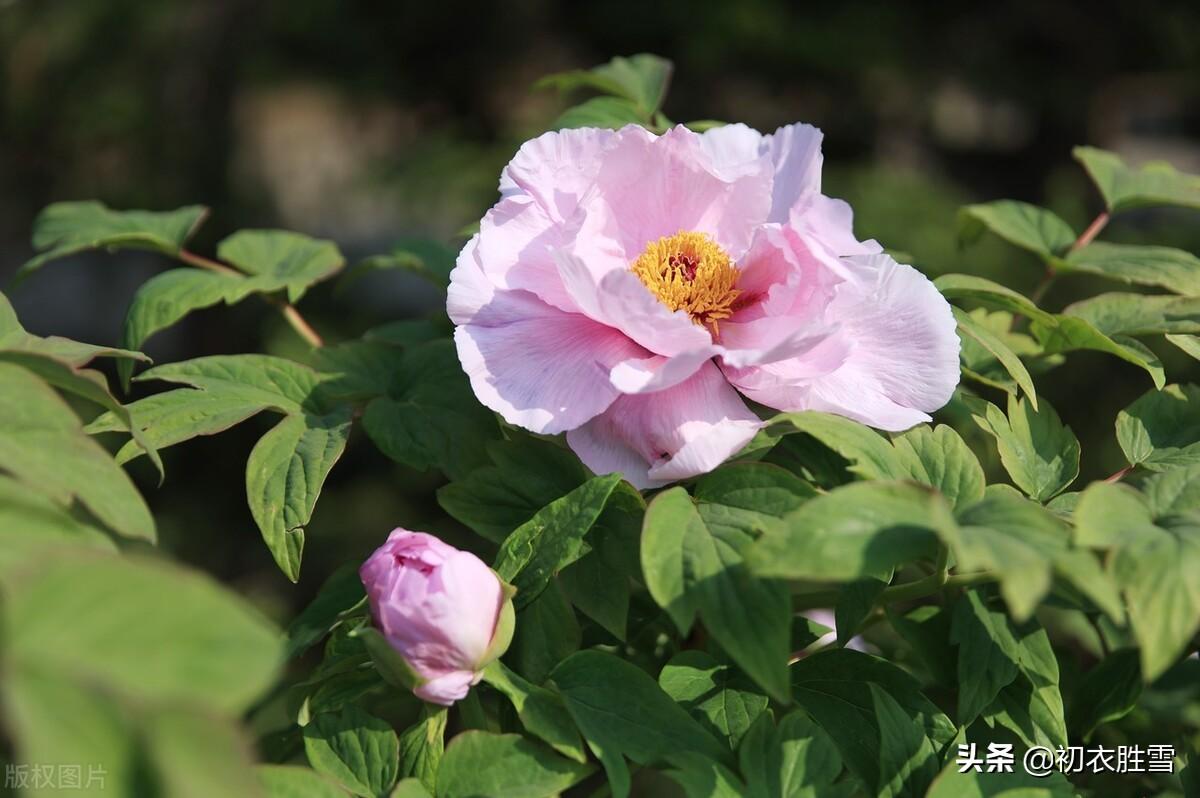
[{"x": 368, "y": 121}]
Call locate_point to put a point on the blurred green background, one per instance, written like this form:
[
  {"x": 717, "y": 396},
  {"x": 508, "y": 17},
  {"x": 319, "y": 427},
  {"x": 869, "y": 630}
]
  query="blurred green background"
[{"x": 368, "y": 121}]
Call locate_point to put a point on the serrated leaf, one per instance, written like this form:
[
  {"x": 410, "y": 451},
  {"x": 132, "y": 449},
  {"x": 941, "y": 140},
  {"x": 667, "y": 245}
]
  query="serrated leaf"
[
  {"x": 725, "y": 702},
  {"x": 954, "y": 783},
  {"x": 857, "y": 530},
  {"x": 1161, "y": 430},
  {"x": 293, "y": 781},
  {"x": 599, "y": 583},
  {"x": 691, "y": 567},
  {"x": 103, "y": 620},
  {"x": 750, "y": 497},
  {"x": 281, "y": 260},
  {"x": 1029, "y": 227},
  {"x": 64, "y": 228},
  {"x": 1040, "y": 454},
  {"x": 701, "y": 777},
  {"x": 938, "y": 457},
  {"x": 31, "y": 524},
  {"x": 1174, "y": 491},
  {"x": 1108, "y": 692},
  {"x": 340, "y": 594},
  {"x": 1108, "y": 514},
  {"x": 988, "y": 653},
  {"x": 15, "y": 338},
  {"x": 1124, "y": 188},
  {"x": 797, "y": 760},
  {"x": 284, "y": 475},
  {"x": 1173, "y": 269},
  {"x": 547, "y": 632},
  {"x": 355, "y": 749},
  {"x": 43, "y": 445},
  {"x": 478, "y": 763}
]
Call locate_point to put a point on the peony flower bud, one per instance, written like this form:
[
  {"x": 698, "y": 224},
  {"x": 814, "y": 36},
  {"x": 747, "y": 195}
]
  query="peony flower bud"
[{"x": 443, "y": 610}]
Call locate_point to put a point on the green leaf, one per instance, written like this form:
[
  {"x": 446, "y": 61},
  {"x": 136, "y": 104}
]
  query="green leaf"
[
  {"x": 341, "y": 594},
  {"x": 749, "y": 497},
  {"x": 432, "y": 418},
  {"x": 270, "y": 382},
  {"x": 1023, "y": 225},
  {"x": 422, "y": 746},
  {"x": 31, "y": 524},
  {"x": 857, "y": 530},
  {"x": 14, "y": 338},
  {"x": 165, "y": 419},
  {"x": 621, "y": 710},
  {"x": 938, "y": 457},
  {"x": 196, "y": 754},
  {"x": 1108, "y": 514},
  {"x": 547, "y": 632},
  {"x": 951, "y": 783},
  {"x": 1003, "y": 354},
  {"x": 641, "y": 79},
  {"x": 1190, "y": 344},
  {"x": 1157, "y": 571},
  {"x": 104, "y": 620},
  {"x": 43, "y": 445},
  {"x": 1139, "y": 314},
  {"x": 284, "y": 475},
  {"x": 797, "y": 760},
  {"x": 552, "y": 539},
  {"x": 867, "y": 450},
  {"x": 279, "y": 259},
  {"x": 854, "y": 604},
  {"x": 426, "y": 258},
  {"x": 1173, "y": 269},
  {"x": 992, "y": 295},
  {"x": 357, "y": 750},
  {"x": 701, "y": 777},
  {"x": 1161, "y": 430},
  {"x": 410, "y": 788},
  {"x": 722, "y": 700},
  {"x": 478, "y": 763},
  {"x": 1108, "y": 692},
  {"x": 166, "y": 298},
  {"x": 1124, "y": 188},
  {"x": 690, "y": 565},
  {"x": 927, "y": 630},
  {"x": 541, "y": 711},
  {"x": 88, "y": 384},
  {"x": 877, "y": 739},
  {"x": 1024, "y": 545},
  {"x": 988, "y": 653},
  {"x": 293, "y": 781},
  {"x": 845, "y": 672},
  {"x": 525, "y": 475},
  {"x": 1040, "y": 454},
  {"x": 64, "y": 228},
  {"x": 604, "y": 112},
  {"x": 1174, "y": 491},
  {"x": 1070, "y": 333}
]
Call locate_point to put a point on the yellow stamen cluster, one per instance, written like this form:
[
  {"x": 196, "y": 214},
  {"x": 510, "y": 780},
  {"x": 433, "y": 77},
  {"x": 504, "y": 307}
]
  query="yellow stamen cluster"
[{"x": 690, "y": 272}]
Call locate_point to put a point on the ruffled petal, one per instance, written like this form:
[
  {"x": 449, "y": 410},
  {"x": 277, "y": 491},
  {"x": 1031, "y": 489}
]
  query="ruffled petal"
[
  {"x": 658, "y": 438},
  {"x": 893, "y": 360},
  {"x": 557, "y": 168},
  {"x": 538, "y": 367},
  {"x": 796, "y": 154}
]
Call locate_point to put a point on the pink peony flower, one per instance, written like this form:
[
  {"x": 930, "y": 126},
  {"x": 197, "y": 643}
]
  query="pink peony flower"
[
  {"x": 442, "y": 609},
  {"x": 627, "y": 287}
]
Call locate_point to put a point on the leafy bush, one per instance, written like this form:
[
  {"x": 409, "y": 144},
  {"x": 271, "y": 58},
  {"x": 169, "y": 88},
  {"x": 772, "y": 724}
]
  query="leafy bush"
[{"x": 665, "y": 640}]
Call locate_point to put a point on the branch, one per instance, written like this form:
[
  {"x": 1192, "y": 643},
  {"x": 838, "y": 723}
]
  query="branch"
[{"x": 290, "y": 314}]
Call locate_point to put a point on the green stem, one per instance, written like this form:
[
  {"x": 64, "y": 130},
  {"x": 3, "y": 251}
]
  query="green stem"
[{"x": 909, "y": 591}]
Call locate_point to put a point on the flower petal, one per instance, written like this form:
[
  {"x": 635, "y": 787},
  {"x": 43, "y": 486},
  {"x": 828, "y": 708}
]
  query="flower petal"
[
  {"x": 796, "y": 154},
  {"x": 653, "y": 439},
  {"x": 557, "y": 168},
  {"x": 446, "y": 688},
  {"x": 475, "y": 593},
  {"x": 538, "y": 367}
]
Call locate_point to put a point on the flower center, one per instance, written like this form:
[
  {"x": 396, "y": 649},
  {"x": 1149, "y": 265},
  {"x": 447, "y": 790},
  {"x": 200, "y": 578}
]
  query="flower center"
[{"x": 690, "y": 272}]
